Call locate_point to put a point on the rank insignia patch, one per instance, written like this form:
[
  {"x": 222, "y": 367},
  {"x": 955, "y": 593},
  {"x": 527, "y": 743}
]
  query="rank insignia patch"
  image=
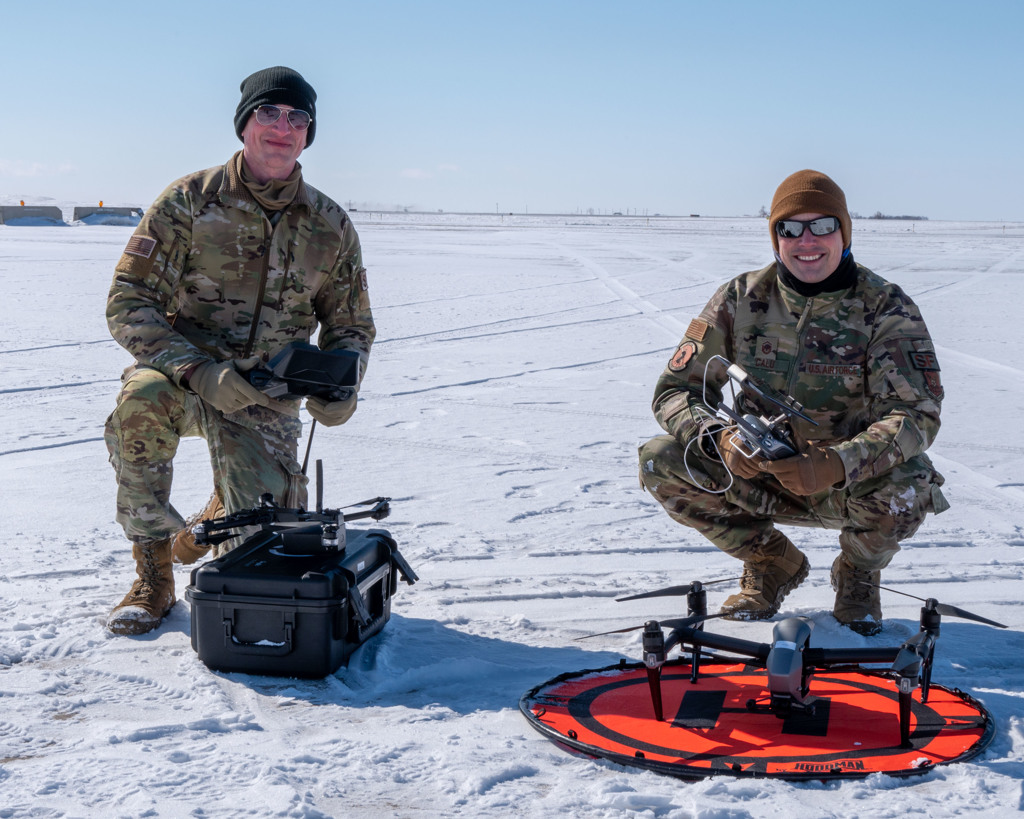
[
  {"x": 140, "y": 246},
  {"x": 686, "y": 351},
  {"x": 933, "y": 384}
]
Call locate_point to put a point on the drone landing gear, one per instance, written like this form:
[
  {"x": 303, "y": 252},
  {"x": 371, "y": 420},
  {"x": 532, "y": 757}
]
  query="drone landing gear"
[{"x": 656, "y": 646}]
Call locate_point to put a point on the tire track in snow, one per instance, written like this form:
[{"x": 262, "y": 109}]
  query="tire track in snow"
[
  {"x": 519, "y": 456},
  {"x": 673, "y": 326},
  {"x": 56, "y": 346},
  {"x": 574, "y": 366},
  {"x": 42, "y": 447},
  {"x": 1003, "y": 265},
  {"x": 64, "y": 386},
  {"x": 506, "y": 326},
  {"x": 532, "y": 407}
]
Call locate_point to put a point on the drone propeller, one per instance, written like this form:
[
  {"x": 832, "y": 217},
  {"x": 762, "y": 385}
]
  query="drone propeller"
[
  {"x": 946, "y": 610},
  {"x": 676, "y": 591},
  {"x": 682, "y": 622}
]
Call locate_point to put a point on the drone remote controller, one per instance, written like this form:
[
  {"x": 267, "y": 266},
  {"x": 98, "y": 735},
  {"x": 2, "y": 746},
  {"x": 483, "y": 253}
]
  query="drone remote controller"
[
  {"x": 767, "y": 437},
  {"x": 770, "y": 438}
]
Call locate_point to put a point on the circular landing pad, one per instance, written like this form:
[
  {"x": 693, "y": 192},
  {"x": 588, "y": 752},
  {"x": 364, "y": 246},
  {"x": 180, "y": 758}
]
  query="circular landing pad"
[{"x": 708, "y": 729}]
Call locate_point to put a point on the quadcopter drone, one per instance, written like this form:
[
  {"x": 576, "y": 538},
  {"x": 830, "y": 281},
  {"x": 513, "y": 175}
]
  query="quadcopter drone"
[
  {"x": 789, "y": 661},
  {"x": 298, "y": 531},
  {"x": 782, "y": 709}
]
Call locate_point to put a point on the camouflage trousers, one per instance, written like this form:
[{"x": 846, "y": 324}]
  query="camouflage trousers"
[
  {"x": 872, "y": 516},
  {"x": 252, "y": 452}
]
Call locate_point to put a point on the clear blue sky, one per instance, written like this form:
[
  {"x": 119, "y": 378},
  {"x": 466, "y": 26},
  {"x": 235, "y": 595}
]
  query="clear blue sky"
[{"x": 663, "y": 107}]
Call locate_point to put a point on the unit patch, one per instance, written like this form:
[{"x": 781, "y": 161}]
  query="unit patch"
[
  {"x": 686, "y": 351},
  {"x": 928, "y": 364},
  {"x": 925, "y": 361},
  {"x": 141, "y": 246},
  {"x": 697, "y": 330}
]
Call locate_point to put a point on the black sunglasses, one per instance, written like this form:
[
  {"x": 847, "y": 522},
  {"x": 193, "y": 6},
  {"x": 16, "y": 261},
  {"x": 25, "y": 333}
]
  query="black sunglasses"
[
  {"x": 794, "y": 228},
  {"x": 269, "y": 114}
]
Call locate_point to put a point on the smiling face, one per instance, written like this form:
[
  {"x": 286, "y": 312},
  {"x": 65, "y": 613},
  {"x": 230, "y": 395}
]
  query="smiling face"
[
  {"x": 271, "y": 151},
  {"x": 811, "y": 258}
]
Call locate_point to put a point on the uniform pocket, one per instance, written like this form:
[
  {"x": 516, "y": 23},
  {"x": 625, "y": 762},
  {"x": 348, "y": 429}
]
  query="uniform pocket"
[{"x": 296, "y": 482}]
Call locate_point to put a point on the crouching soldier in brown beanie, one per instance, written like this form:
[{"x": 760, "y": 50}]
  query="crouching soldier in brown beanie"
[
  {"x": 855, "y": 352},
  {"x": 226, "y": 268}
]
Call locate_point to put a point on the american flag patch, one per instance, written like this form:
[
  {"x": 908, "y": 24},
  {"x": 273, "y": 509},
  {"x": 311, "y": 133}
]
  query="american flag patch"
[
  {"x": 141, "y": 246},
  {"x": 697, "y": 330}
]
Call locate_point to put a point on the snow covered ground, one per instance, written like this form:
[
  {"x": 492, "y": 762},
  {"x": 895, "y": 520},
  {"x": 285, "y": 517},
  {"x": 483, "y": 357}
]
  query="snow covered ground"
[{"x": 506, "y": 395}]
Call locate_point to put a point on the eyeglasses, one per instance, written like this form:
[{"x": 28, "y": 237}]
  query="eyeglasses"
[
  {"x": 794, "y": 228},
  {"x": 269, "y": 114}
]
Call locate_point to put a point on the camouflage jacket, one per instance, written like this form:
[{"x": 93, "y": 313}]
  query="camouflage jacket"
[
  {"x": 859, "y": 360},
  {"x": 207, "y": 276}
]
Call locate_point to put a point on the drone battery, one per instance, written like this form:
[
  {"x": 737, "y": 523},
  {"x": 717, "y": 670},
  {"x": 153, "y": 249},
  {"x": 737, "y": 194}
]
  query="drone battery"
[{"x": 276, "y": 606}]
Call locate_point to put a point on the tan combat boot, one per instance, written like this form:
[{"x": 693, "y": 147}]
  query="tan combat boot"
[
  {"x": 152, "y": 595},
  {"x": 185, "y": 550},
  {"x": 858, "y": 603},
  {"x": 767, "y": 579}
]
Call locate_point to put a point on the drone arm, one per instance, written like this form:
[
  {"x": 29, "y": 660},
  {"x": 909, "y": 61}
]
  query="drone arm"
[
  {"x": 381, "y": 509},
  {"x": 206, "y": 531},
  {"x": 746, "y": 648}
]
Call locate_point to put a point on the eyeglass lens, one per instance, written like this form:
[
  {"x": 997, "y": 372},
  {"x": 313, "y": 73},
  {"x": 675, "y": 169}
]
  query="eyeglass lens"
[{"x": 269, "y": 114}]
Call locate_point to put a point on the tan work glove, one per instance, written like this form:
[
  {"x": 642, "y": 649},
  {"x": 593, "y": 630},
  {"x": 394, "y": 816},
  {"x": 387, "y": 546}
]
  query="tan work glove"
[
  {"x": 332, "y": 413},
  {"x": 219, "y": 384},
  {"x": 812, "y": 471},
  {"x": 735, "y": 461}
]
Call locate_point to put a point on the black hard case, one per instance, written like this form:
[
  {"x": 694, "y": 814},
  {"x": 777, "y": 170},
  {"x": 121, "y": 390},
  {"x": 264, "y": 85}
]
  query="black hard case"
[{"x": 262, "y": 608}]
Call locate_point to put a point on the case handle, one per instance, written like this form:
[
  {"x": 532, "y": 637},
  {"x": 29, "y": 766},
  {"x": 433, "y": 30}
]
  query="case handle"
[{"x": 265, "y": 648}]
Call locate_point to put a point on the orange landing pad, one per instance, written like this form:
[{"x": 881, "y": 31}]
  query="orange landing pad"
[{"x": 708, "y": 729}]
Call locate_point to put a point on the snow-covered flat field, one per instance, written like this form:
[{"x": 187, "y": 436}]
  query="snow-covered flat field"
[{"x": 507, "y": 392}]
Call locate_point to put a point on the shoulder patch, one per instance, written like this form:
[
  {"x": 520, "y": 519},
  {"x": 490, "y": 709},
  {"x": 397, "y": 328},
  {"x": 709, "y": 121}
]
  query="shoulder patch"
[
  {"x": 924, "y": 360},
  {"x": 141, "y": 246},
  {"x": 687, "y": 350},
  {"x": 697, "y": 330},
  {"x": 934, "y": 384}
]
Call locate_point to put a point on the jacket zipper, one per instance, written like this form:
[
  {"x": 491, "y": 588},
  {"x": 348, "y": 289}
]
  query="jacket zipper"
[
  {"x": 257, "y": 310},
  {"x": 800, "y": 325}
]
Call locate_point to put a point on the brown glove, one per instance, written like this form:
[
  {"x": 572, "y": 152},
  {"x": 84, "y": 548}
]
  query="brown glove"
[
  {"x": 331, "y": 413},
  {"x": 219, "y": 384},
  {"x": 812, "y": 471},
  {"x": 735, "y": 461}
]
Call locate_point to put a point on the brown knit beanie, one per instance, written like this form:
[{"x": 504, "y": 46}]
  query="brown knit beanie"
[
  {"x": 277, "y": 85},
  {"x": 809, "y": 192}
]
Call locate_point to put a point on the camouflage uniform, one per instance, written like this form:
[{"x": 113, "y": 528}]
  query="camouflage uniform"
[
  {"x": 207, "y": 276},
  {"x": 863, "y": 365}
]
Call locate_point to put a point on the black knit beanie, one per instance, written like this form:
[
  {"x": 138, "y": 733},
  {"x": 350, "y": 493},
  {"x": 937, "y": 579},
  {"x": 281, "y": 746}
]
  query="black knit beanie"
[{"x": 276, "y": 86}]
